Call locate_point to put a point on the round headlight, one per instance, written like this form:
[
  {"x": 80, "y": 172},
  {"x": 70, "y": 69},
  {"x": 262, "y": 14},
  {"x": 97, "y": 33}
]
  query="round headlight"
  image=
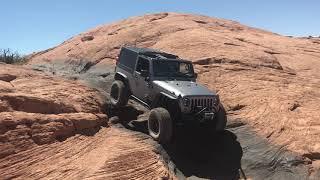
[
  {"x": 186, "y": 101},
  {"x": 217, "y": 99}
]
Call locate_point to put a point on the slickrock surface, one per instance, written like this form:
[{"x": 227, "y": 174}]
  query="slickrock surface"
[
  {"x": 270, "y": 85},
  {"x": 271, "y": 82},
  {"x": 56, "y": 128}
]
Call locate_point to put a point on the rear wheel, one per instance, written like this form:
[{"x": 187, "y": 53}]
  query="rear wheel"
[
  {"x": 119, "y": 94},
  {"x": 221, "y": 118},
  {"x": 160, "y": 125}
]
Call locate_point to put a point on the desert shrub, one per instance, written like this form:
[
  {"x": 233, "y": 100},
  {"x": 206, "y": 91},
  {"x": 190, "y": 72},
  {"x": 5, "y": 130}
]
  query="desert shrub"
[
  {"x": 9, "y": 57},
  {"x": 87, "y": 38}
]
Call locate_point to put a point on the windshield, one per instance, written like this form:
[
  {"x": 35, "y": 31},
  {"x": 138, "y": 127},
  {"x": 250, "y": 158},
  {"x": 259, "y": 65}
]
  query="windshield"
[{"x": 171, "y": 68}]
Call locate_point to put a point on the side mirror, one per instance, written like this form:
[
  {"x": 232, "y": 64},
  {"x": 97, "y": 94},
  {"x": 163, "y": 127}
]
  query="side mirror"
[
  {"x": 144, "y": 73},
  {"x": 195, "y": 75}
]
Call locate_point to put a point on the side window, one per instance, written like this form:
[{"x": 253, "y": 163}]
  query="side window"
[
  {"x": 143, "y": 64},
  {"x": 185, "y": 68},
  {"x": 127, "y": 59}
]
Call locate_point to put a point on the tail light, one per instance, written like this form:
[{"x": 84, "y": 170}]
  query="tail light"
[{"x": 117, "y": 60}]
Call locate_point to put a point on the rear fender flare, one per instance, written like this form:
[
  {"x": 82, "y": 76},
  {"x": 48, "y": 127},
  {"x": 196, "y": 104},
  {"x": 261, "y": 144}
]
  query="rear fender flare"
[{"x": 122, "y": 77}]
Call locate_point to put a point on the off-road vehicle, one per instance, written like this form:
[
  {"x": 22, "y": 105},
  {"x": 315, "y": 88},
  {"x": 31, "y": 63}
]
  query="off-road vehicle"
[{"x": 167, "y": 85}]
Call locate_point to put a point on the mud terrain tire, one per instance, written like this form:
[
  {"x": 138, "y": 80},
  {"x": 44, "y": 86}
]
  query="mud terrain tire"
[
  {"x": 221, "y": 119},
  {"x": 160, "y": 125},
  {"x": 119, "y": 94}
]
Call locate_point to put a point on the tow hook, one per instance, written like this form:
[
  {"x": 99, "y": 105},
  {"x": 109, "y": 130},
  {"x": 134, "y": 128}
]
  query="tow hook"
[
  {"x": 199, "y": 113},
  {"x": 203, "y": 116}
]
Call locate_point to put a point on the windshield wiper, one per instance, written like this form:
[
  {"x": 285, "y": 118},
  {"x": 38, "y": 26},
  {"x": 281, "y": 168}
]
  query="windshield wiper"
[
  {"x": 188, "y": 74},
  {"x": 171, "y": 76}
]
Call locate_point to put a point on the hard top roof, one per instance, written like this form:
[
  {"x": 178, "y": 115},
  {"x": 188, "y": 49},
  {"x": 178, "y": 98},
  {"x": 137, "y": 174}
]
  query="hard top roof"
[
  {"x": 141, "y": 50},
  {"x": 148, "y": 52}
]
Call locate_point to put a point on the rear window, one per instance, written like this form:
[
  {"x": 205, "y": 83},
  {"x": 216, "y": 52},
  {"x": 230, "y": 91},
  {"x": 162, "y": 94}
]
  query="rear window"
[{"x": 127, "y": 59}]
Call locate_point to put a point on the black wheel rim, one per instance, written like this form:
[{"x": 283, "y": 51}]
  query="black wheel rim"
[
  {"x": 154, "y": 126},
  {"x": 115, "y": 92}
]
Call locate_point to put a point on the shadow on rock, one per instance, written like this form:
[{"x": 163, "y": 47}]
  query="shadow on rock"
[
  {"x": 124, "y": 114},
  {"x": 196, "y": 151}
]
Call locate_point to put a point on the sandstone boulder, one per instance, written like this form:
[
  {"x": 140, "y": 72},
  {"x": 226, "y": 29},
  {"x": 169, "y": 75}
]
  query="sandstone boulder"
[
  {"x": 37, "y": 109},
  {"x": 268, "y": 80}
]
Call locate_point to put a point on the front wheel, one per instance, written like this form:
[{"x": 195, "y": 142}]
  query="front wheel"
[
  {"x": 160, "y": 125},
  {"x": 119, "y": 94},
  {"x": 221, "y": 119}
]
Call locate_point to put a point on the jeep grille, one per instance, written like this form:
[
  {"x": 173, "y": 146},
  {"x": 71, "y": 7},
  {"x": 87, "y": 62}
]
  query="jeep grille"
[{"x": 208, "y": 102}]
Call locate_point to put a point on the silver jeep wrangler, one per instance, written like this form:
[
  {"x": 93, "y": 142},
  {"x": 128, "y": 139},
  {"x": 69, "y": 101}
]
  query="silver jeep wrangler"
[{"x": 167, "y": 85}]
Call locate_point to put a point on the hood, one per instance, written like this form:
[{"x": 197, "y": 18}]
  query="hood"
[{"x": 184, "y": 88}]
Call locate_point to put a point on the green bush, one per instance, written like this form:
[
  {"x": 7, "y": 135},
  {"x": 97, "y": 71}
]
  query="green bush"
[{"x": 9, "y": 57}]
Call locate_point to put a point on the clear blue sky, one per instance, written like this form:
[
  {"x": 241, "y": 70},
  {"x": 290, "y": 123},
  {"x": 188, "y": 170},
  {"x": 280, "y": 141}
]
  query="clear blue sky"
[{"x": 33, "y": 25}]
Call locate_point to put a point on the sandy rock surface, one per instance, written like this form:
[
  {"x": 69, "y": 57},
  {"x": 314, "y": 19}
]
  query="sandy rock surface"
[
  {"x": 110, "y": 154},
  {"x": 271, "y": 82},
  {"x": 56, "y": 128},
  {"x": 37, "y": 109}
]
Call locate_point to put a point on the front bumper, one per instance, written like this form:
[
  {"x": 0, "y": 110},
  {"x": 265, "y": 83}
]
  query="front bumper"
[
  {"x": 207, "y": 116},
  {"x": 202, "y": 114}
]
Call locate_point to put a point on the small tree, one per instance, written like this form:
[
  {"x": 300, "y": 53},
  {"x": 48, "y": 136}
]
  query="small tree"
[{"x": 9, "y": 57}]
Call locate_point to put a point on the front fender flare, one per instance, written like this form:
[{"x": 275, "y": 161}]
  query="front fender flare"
[{"x": 160, "y": 98}]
